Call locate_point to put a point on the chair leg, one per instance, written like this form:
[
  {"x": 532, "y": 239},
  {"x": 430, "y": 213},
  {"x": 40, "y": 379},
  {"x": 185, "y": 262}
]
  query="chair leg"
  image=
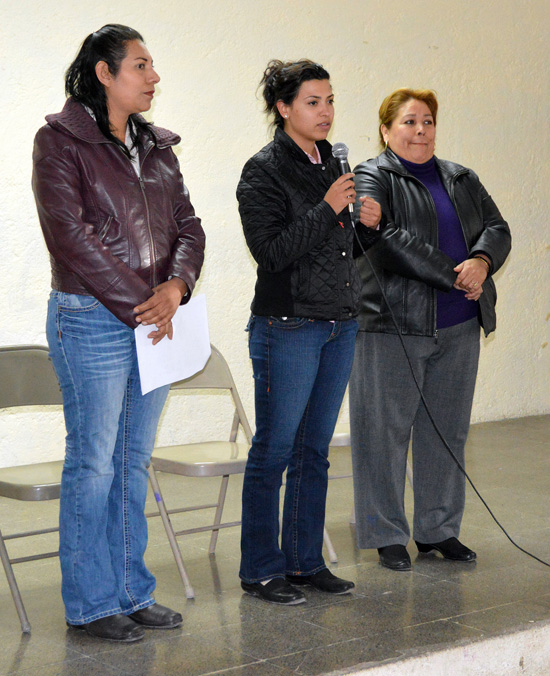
[
  {"x": 189, "y": 592},
  {"x": 23, "y": 619},
  {"x": 218, "y": 515},
  {"x": 332, "y": 556}
]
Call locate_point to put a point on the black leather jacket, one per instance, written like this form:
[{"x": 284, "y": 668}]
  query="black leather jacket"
[
  {"x": 110, "y": 234},
  {"x": 303, "y": 249},
  {"x": 406, "y": 257}
]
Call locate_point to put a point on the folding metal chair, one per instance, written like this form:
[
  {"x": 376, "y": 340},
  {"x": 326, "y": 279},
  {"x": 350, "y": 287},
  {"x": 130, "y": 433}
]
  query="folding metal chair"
[
  {"x": 27, "y": 378},
  {"x": 203, "y": 459}
]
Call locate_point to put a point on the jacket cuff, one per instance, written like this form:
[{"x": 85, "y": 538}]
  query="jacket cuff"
[{"x": 480, "y": 252}]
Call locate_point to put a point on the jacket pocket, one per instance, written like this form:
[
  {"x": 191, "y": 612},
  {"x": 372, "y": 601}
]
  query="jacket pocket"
[{"x": 104, "y": 229}]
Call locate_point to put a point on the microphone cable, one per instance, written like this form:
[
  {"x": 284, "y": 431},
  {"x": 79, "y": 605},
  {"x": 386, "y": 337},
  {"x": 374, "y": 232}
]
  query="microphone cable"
[{"x": 430, "y": 416}]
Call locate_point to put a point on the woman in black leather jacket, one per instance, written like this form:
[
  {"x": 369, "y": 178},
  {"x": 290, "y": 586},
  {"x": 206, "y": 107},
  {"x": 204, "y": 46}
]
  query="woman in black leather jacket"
[
  {"x": 440, "y": 241},
  {"x": 294, "y": 210}
]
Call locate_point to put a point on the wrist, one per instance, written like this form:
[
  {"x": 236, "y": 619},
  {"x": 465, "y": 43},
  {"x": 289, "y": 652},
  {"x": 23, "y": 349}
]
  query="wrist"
[
  {"x": 484, "y": 260},
  {"x": 331, "y": 206},
  {"x": 179, "y": 284}
]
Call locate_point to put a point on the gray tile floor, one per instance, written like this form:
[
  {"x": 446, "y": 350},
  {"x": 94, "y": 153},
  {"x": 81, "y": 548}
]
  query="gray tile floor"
[{"x": 391, "y": 614}]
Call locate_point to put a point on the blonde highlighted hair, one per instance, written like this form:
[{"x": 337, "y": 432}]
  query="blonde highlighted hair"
[{"x": 392, "y": 103}]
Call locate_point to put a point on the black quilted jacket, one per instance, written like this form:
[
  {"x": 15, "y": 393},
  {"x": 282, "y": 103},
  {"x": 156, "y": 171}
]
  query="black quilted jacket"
[{"x": 303, "y": 249}]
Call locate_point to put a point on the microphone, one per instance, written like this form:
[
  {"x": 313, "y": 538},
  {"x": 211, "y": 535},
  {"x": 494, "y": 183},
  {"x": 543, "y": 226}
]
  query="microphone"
[{"x": 340, "y": 152}]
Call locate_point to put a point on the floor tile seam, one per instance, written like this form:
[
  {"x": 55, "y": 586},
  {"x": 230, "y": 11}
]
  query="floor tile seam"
[
  {"x": 341, "y": 604},
  {"x": 253, "y": 660},
  {"x": 116, "y": 670},
  {"x": 410, "y": 575},
  {"x": 522, "y": 626},
  {"x": 483, "y": 610},
  {"x": 398, "y": 654},
  {"x": 465, "y": 641},
  {"x": 426, "y": 618},
  {"x": 484, "y": 631},
  {"x": 371, "y": 633},
  {"x": 421, "y": 624},
  {"x": 77, "y": 658},
  {"x": 230, "y": 669},
  {"x": 310, "y": 650},
  {"x": 371, "y": 664},
  {"x": 236, "y": 650},
  {"x": 45, "y": 662},
  {"x": 427, "y": 649}
]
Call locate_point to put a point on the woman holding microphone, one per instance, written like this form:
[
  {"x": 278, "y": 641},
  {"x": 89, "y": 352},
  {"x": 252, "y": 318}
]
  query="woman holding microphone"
[{"x": 294, "y": 211}]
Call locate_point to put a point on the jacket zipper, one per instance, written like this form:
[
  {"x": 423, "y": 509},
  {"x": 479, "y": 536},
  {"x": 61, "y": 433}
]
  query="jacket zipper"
[
  {"x": 452, "y": 196},
  {"x": 434, "y": 292},
  {"x": 149, "y": 231},
  {"x": 141, "y": 185}
]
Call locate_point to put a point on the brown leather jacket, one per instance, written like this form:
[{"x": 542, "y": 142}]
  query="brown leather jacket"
[{"x": 110, "y": 234}]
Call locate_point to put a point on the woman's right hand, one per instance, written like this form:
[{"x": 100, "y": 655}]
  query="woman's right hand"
[
  {"x": 341, "y": 193},
  {"x": 370, "y": 213}
]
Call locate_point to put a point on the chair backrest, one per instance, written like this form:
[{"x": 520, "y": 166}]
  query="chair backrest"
[
  {"x": 27, "y": 377},
  {"x": 216, "y": 375}
]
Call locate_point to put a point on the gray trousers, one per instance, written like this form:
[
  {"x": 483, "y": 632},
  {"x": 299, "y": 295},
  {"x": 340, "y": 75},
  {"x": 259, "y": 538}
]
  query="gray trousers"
[{"x": 385, "y": 407}]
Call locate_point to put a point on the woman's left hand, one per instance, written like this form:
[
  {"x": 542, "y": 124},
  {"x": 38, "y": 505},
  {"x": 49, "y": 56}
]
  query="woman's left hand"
[
  {"x": 370, "y": 212},
  {"x": 162, "y": 306},
  {"x": 471, "y": 274},
  {"x": 158, "y": 335}
]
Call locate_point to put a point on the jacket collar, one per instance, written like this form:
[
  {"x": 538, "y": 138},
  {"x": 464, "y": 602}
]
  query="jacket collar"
[
  {"x": 75, "y": 120},
  {"x": 389, "y": 161},
  {"x": 283, "y": 139}
]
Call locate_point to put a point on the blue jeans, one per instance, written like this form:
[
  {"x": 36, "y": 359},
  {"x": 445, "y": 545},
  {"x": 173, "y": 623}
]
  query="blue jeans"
[
  {"x": 111, "y": 429},
  {"x": 301, "y": 369}
]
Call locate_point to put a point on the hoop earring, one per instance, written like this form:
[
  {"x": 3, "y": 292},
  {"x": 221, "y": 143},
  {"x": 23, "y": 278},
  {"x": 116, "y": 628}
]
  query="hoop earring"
[{"x": 385, "y": 145}]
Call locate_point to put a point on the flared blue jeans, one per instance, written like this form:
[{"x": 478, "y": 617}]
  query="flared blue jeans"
[{"x": 111, "y": 429}]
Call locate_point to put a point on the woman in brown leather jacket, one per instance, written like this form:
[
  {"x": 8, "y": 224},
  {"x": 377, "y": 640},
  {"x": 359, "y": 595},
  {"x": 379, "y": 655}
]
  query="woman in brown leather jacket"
[{"x": 126, "y": 248}]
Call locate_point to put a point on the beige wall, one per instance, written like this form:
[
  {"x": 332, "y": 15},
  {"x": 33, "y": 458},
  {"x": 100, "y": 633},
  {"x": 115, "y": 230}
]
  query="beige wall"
[{"x": 487, "y": 59}]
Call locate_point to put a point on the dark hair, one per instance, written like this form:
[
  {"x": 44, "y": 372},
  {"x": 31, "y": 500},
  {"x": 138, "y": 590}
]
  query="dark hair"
[
  {"x": 109, "y": 44},
  {"x": 282, "y": 81},
  {"x": 392, "y": 103}
]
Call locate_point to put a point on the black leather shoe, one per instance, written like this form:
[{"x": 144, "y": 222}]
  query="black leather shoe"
[
  {"x": 277, "y": 590},
  {"x": 451, "y": 549},
  {"x": 113, "y": 628},
  {"x": 157, "y": 617},
  {"x": 323, "y": 581},
  {"x": 395, "y": 557}
]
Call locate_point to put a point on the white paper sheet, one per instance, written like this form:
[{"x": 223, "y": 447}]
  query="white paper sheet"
[{"x": 179, "y": 358}]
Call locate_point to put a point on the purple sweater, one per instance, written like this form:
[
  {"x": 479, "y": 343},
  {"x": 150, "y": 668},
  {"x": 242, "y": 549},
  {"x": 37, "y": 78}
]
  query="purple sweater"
[{"x": 453, "y": 307}]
